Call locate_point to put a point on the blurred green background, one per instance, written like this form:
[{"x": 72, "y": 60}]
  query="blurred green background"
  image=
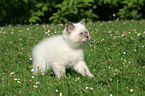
[{"x": 62, "y": 11}]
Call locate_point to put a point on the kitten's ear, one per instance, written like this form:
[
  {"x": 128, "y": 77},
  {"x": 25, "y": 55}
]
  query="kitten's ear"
[
  {"x": 69, "y": 27},
  {"x": 83, "y": 21}
]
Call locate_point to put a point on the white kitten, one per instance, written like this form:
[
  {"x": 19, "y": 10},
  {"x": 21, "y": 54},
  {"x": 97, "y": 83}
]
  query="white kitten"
[{"x": 62, "y": 51}]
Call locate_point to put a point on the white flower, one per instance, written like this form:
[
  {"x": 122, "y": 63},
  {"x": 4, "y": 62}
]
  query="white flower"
[
  {"x": 60, "y": 94},
  {"x": 35, "y": 86},
  {"x": 12, "y": 73},
  {"x": 111, "y": 34},
  {"x": 138, "y": 34},
  {"x": 48, "y": 30},
  {"x": 114, "y": 15},
  {"x": 91, "y": 88},
  {"x": 32, "y": 77},
  {"x": 30, "y": 58},
  {"x": 32, "y": 70},
  {"x": 77, "y": 79},
  {"x": 56, "y": 90},
  {"x": 124, "y": 60},
  {"x": 37, "y": 83},
  {"x": 87, "y": 87},
  {"x": 131, "y": 90}
]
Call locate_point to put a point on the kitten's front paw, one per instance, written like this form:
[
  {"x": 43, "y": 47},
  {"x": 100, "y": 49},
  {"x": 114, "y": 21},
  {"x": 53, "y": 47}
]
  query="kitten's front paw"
[{"x": 91, "y": 76}]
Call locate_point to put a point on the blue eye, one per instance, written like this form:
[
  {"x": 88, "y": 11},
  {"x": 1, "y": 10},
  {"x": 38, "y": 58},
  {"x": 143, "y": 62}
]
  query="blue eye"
[
  {"x": 81, "y": 34},
  {"x": 86, "y": 32}
]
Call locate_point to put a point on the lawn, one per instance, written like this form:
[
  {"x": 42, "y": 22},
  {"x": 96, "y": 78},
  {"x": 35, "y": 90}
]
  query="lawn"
[{"x": 115, "y": 55}]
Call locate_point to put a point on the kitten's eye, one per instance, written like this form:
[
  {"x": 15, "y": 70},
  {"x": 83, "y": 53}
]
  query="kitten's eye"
[
  {"x": 86, "y": 32},
  {"x": 81, "y": 34}
]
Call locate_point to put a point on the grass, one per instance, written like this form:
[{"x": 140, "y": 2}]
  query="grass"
[{"x": 115, "y": 55}]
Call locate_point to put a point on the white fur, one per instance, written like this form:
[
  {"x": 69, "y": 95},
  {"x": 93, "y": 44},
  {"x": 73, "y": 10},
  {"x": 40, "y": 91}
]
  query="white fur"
[{"x": 62, "y": 51}]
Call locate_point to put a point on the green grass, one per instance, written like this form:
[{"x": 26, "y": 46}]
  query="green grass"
[{"x": 115, "y": 55}]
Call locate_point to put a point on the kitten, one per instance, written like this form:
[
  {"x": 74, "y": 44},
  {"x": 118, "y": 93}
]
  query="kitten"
[{"x": 63, "y": 51}]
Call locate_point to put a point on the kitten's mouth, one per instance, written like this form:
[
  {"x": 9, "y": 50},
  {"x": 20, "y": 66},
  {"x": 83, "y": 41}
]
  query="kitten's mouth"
[{"x": 87, "y": 38}]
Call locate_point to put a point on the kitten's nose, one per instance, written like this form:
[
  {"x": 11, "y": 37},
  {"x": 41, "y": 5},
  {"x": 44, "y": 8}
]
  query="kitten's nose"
[{"x": 88, "y": 37}]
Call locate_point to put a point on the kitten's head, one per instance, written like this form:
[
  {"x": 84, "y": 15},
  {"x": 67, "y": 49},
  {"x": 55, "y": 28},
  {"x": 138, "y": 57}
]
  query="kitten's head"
[{"x": 77, "y": 32}]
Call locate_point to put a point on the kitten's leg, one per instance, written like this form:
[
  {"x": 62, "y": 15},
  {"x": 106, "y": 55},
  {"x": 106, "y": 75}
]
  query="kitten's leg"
[
  {"x": 59, "y": 71},
  {"x": 39, "y": 66},
  {"x": 35, "y": 69},
  {"x": 82, "y": 68}
]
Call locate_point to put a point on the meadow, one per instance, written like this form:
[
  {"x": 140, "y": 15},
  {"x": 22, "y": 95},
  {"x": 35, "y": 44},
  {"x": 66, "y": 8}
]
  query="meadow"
[{"x": 115, "y": 55}]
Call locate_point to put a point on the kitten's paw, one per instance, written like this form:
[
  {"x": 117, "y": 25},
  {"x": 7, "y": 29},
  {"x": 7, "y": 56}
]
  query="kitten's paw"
[{"x": 91, "y": 76}]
